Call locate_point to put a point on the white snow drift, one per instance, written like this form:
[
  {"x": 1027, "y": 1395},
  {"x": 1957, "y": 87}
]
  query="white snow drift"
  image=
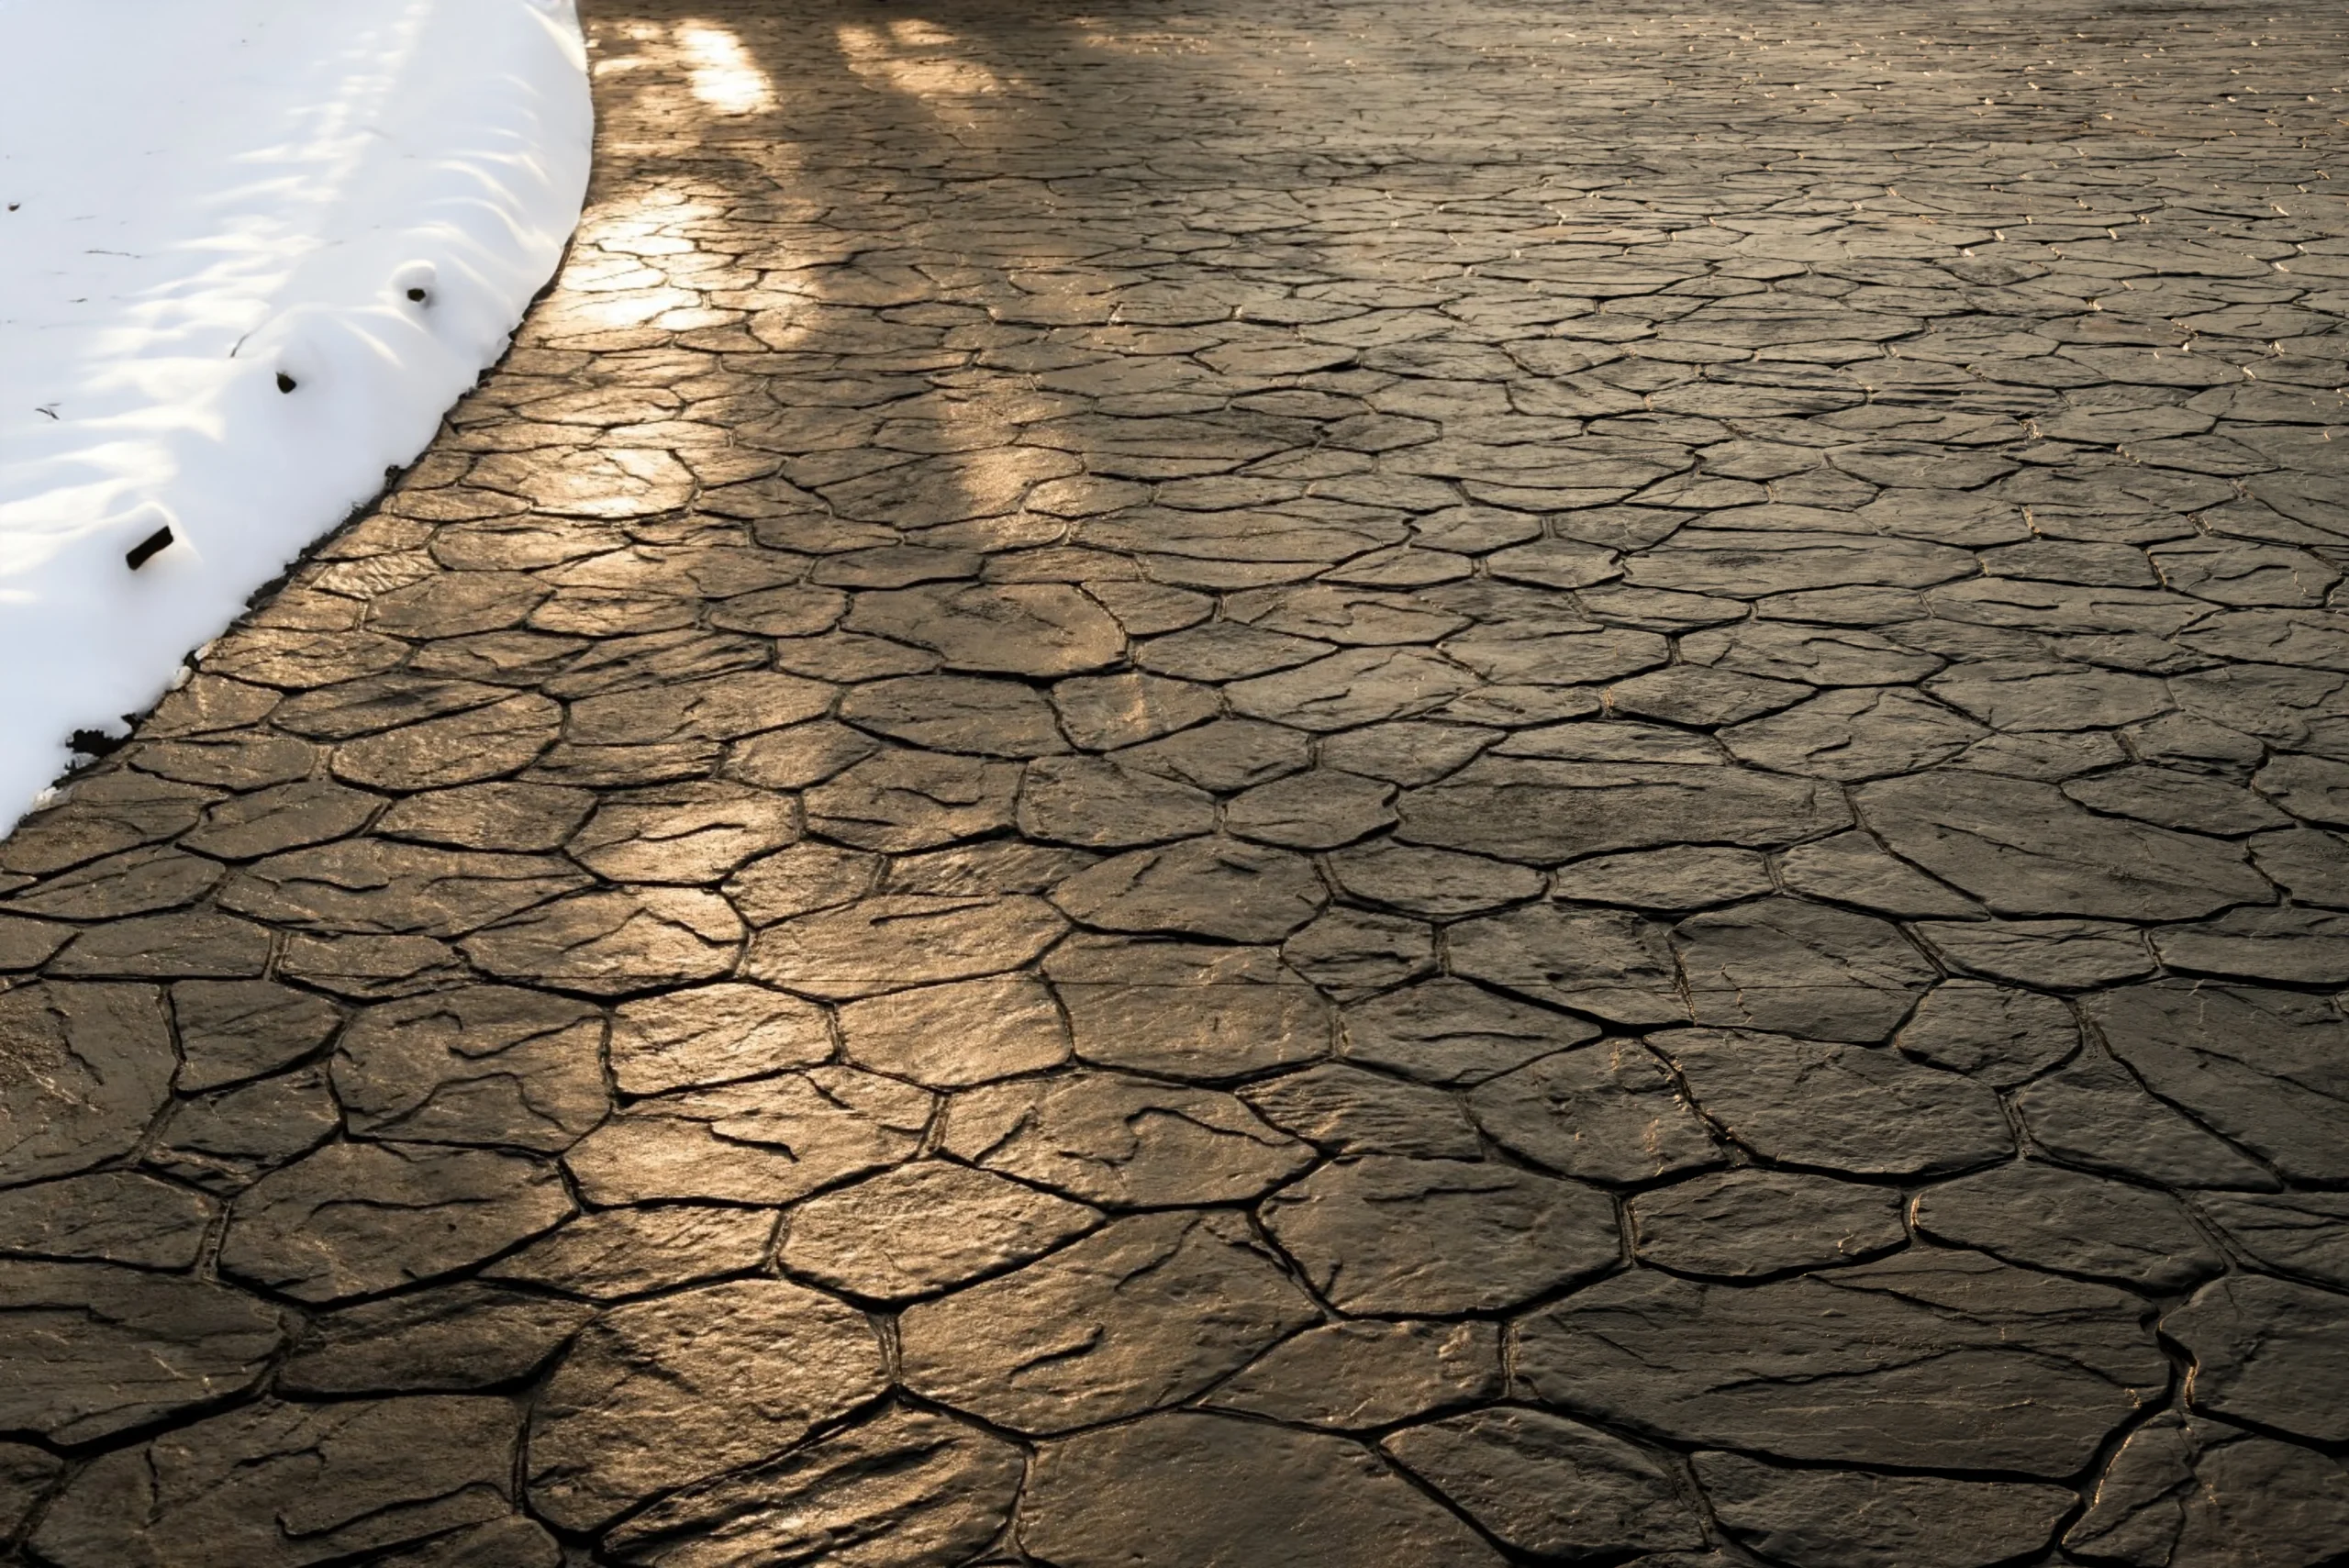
[{"x": 252, "y": 251}]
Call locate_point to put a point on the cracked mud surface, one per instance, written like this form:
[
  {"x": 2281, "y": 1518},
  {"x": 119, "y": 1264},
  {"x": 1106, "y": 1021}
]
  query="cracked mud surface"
[{"x": 1204, "y": 786}]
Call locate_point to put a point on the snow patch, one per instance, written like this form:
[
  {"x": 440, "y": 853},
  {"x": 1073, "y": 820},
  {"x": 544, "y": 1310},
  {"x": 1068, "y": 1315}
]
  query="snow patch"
[{"x": 251, "y": 249}]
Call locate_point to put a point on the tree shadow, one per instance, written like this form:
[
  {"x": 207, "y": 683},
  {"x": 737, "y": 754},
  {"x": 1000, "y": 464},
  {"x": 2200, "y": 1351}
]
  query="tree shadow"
[{"x": 913, "y": 216}]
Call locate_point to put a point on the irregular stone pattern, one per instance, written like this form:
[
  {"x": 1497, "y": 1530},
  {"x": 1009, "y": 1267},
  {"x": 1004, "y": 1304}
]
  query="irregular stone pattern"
[
  {"x": 1854, "y": 1364},
  {"x": 909, "y": 1488},
  {"x": 2203, "y": 1494},
  {"x": 1549, "y": 1485},
  {"x": 1849, "y": 1516},
  {"x": 660, "y": 1393},
  {"x": 1210, "y": 785}
]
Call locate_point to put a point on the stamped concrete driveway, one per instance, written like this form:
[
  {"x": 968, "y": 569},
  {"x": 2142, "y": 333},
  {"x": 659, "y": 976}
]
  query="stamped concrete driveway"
[{"x": 1379, "y": 785}]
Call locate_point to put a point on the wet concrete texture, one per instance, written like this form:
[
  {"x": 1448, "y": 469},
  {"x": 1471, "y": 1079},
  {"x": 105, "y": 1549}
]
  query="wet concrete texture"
[{"x": 1216, "y": 784}]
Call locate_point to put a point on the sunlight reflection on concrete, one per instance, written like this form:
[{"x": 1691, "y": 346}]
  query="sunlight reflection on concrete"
[
  {"x": 914, "y": 57},
  {"x": 723, "y": 74}
]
